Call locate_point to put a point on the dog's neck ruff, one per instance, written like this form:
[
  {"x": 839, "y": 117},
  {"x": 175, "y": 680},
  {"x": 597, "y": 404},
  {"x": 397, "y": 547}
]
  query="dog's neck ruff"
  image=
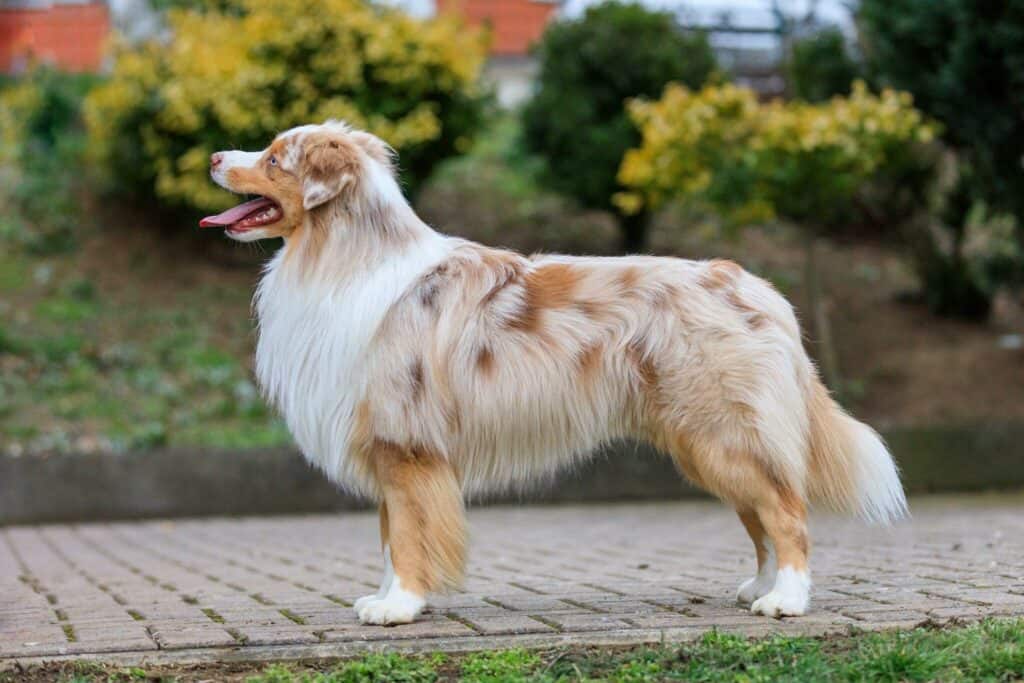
[{"x": 317, "y": 319}]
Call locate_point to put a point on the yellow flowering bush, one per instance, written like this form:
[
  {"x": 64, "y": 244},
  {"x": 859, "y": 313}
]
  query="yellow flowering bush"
[
  {"x": 722, "y": 148},
  {"x": 17, "y": 104},
  {"x": 241, "y": 71}
]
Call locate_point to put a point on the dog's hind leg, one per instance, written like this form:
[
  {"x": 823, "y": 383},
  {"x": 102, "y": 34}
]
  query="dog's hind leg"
[
  {"x": 784, "y": 518},
  {"x": 773, "y": 514},
  {"x": 753, "y": 588},
  {"x": 425, "y": 531},
  {"x": 389, "y": 570}
]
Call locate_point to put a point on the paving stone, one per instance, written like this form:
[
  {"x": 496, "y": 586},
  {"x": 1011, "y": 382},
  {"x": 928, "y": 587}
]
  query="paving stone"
[
  {"x": 570, "y": 573},
  {"x": 573, "y": 622},
  {"x": 528, "y": 603},
  {"x": 187, "y": 636},
  {"x": 425, "y": 629},
  {"x": 512, "y": 623},
  {"x": 277, "y": 635},
  {"x": 886, "y": 615}
]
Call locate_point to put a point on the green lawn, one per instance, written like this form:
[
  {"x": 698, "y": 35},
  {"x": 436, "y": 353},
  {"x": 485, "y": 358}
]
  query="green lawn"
[
  {"x": 92, "y": 360},
  {"x": 989, "y": 651}
]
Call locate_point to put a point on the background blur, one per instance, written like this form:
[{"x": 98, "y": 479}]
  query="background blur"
[{"x": 866, "y": 157}]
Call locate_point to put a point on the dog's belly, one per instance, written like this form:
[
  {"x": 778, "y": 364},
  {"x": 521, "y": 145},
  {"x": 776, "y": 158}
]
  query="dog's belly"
[
  {"x": 527, "y": 451},
  {"x": 534, "y": 421}
]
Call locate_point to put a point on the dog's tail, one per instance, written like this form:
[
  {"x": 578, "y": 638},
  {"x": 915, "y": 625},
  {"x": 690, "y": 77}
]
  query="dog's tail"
[{"x": 850, "y": 468}]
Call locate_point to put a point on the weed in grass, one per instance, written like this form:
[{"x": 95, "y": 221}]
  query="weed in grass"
[
  {"x": 508, "y": 666},
  {"x": 640, "y": 671},
  {"x": 92, "y": 672},
  {"x": 900, "y": 658},
  {"x": 370, "y": 669}
]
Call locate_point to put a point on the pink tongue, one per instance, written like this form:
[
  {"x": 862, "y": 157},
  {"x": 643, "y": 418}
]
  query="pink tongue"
[{"x": 235, "y": 214}]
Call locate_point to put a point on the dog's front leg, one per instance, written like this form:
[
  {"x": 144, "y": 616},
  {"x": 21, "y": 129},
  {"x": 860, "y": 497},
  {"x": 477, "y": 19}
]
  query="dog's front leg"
[{"x": 422, "y": 530}]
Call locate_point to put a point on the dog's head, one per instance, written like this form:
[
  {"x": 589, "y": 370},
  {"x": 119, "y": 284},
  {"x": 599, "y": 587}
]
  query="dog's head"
[{"x": 305, "y": 169}]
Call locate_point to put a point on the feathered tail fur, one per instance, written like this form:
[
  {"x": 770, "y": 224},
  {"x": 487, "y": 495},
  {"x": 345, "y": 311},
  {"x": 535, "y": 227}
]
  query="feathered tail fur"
[{"x": 851, "y": 470}]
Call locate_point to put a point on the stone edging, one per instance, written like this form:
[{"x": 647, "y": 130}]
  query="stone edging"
[{"x": 192, "y": 482}]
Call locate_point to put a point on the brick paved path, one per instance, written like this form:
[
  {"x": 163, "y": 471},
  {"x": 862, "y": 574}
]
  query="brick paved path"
[{"x": 252, "y": 588}]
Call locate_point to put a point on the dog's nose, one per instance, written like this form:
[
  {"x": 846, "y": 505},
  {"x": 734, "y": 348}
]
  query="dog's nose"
[{"x": 215, "y": 159}]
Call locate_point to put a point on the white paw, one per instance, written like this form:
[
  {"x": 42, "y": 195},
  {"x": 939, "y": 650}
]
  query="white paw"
[
  {"x": 777, "y": 604},
  {"x": 790, "y": 596},
  {"x": 752, "y": 589},
  {"x": 365, "y": 600},
  {"x": 387, "y": 612},
  {"x": 399, "y": 606}
]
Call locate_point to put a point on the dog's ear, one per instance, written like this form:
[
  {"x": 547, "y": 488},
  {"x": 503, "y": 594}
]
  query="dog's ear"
[{"x": 330, "y": 165}]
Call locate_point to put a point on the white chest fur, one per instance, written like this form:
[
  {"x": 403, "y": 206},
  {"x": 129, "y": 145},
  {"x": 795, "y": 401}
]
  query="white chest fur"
[{"x": 314, "y": 336}]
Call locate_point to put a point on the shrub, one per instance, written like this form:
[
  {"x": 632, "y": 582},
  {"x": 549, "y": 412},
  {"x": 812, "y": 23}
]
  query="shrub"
[
  {"x": 588, "y": 69},
  {"x": 963, "y": 251},
  {"x": 820, "y": 66},
  {"x": 236, "y": 72},
  {"x": 720, "y": 148},
  {"x": 964, "y": 63},
  {"x": 41, "y": 145}
]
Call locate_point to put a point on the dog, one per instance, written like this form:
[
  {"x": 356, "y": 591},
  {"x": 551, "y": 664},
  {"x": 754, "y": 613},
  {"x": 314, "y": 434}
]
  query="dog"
[{"x": 416, "y": 368}]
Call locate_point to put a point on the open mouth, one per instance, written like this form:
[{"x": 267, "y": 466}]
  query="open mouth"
[{"x": 252, "y": 214}]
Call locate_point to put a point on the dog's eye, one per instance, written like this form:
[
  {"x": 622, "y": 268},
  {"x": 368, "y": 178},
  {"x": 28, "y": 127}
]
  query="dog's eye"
[{"x": 273, "y": 160}]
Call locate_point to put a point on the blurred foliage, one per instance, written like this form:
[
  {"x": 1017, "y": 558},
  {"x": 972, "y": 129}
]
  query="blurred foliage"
[
  {"x": 820, "y": 66},
  {"x": 964, "y": 63},
  {"x": 237, "y": 72},
  {"x": 963, "y": 251},
  {"x": 41, "y": 146},
  {"x": 495, "y": 194},
  {"x": 721, "y": 148},
  {"x": 589, "y": 67}
]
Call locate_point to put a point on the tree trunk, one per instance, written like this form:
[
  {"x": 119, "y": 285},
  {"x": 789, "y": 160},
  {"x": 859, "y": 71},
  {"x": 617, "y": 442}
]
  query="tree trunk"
[
  {"x": 818, "y": 314},
  {"x": 633, "y": 230}
]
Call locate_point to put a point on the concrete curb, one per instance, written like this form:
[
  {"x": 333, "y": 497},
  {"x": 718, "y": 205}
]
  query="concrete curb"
[
  {"x": 191, "y": 482},
  {"x": 451, "y": 645}
]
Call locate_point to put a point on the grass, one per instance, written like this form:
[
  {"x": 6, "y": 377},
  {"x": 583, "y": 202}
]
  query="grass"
[
  {"x": 94, "y": 363},
  {"x": 989, "y": 651}
]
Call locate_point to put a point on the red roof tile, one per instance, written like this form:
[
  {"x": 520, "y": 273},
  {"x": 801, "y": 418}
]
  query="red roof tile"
[
  {"x": 70, "y": 37},
  {"x": 515, "y": 24}
]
